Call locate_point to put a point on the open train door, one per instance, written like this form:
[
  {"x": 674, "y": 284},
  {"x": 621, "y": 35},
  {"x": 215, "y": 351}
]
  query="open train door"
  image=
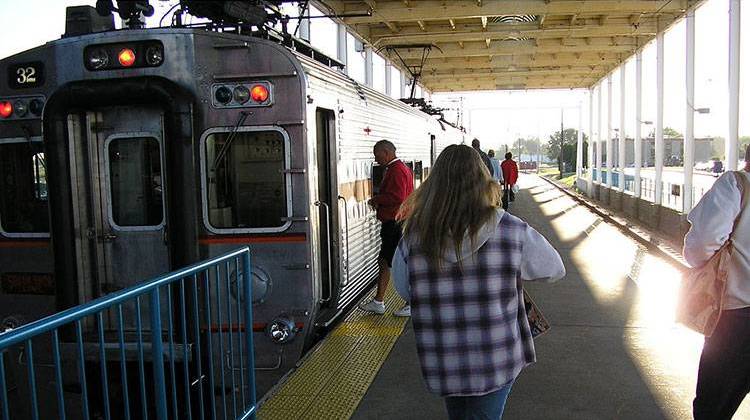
[
  {"x": 330, "y": 204},
  {"x": 118, "y": 193}
]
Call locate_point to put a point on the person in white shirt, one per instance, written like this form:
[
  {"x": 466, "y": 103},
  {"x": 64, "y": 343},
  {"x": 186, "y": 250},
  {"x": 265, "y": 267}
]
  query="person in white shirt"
[
  {"x": 497, "y": 173},
  {"x": 724, "y": 369},
  {"x": 461, "y": 265}
]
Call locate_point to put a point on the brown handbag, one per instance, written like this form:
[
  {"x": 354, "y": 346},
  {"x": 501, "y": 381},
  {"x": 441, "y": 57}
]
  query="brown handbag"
[
  {"x": 702, "y": 293},
  {"x": 701, "y": 296}
]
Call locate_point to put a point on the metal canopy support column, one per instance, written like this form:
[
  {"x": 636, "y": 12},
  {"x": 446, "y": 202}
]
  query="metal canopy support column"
[
  {"x": 341, "y": 47},
  {"x": 689, "y": 142},
  {"x": 659, "y": 140},
  {"x": 638, "y": 149},
  {"x": 402, "y": 87},
  {"x": 590, "y": 150},
  {"x": 599, "y": 136},
  {"x": 610, "y": 155},
  {"x": 368, "y": 66},
  {"x": 732, "y": 145},
  {"x": 388, "y": 69},
  {"x": 304, "y": 25},
  {"x": 579, "y": 144},
  {"x": 621, "y": 137}
]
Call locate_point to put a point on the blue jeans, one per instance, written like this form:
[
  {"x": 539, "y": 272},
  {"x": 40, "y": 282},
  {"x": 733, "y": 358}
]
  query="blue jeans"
[{"x": 483, "y": 407}]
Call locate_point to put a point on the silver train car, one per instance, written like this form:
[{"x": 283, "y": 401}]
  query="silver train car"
[{"x": 126, "y": 154}]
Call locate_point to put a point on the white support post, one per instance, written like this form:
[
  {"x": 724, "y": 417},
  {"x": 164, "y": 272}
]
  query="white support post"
[
  {"x": 688, "y": 147},
  {"x": 599, "y": 142},
  {"x": 579, "y": 144},
  {"x": 304, "y": 25},
  {"x": 402, "y": 86},
  {"x": 659, "y": 140},
  {"x": 732, "y": 144},
  {"x": 638, "y": 149},
  {"x": 621, "y": 138},
  {"x": 590, "y": 149},
  {"x": 368, "y": 66},
  {"x": 341, "y": 46},
  {"x": 610, "y": 153},
  {"x": 388, "y": 69}
]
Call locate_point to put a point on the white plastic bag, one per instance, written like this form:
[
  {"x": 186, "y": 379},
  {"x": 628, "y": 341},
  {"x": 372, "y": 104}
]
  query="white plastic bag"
[{"x": 515, "y": 188}]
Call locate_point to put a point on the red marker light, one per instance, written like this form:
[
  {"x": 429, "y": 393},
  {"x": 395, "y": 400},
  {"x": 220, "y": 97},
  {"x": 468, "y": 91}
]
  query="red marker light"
[
  {"x": 126, "y": 57},
  {"x": 259, "y": 93},
  {"x": 6, "y": 109}
]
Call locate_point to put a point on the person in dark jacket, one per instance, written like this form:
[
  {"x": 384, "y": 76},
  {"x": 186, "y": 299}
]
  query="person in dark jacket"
[
  {"x": 485, "y": 158},
  {"x": 397, "y": 184}
]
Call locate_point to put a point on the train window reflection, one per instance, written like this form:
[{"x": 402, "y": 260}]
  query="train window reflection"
[
  {"x": 135, "y": 182},
  {"x": 246, "y": 180},
  {"x": 23, "y": 188}
]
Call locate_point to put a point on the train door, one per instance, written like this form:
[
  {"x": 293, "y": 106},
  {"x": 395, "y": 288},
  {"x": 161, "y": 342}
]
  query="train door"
[
  {"x": 118, "y": 179},
  {"x": 328, "y": 203}
]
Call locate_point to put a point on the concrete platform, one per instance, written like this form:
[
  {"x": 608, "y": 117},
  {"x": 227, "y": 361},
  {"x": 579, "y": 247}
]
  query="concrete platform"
[{"x": 614, "y": 351}]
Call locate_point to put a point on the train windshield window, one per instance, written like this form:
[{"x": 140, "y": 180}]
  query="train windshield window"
[
  {"x": 23, "y": 188},
  {"x": 135, "y": 182},
  {"x": 245, "y": 180}
]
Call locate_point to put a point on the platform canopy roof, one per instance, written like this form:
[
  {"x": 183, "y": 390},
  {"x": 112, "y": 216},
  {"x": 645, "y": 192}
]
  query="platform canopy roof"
[{"x": 502, "y": 44}]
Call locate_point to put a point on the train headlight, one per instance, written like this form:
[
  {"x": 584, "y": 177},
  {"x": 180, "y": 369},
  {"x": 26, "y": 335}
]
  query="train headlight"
[
  {"x": 241, "y": 94},
  {"x": 98, "y": 59},
  {"x": 223, "y": 95},
  {"x": 6, "y": 109},
  {"x": 20, "y": 108},
  {"x": 126, "y": 57},
  {"x": 36, "y": 107},
  {"x": 281, "y": 330},
  {"x": 154, "y": 55},
  {"x": 259, "y": 93}
]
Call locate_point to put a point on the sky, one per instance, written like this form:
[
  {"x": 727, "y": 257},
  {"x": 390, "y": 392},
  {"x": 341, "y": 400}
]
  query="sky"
[{"x": 499, "y": 118}]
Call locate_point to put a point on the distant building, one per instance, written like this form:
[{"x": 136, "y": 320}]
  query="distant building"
[{"x": 673, "y": 155}]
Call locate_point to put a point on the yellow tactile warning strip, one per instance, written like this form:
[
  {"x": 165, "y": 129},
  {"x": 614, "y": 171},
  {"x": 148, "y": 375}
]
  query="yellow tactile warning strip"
[{"x": 334, "y": 378}]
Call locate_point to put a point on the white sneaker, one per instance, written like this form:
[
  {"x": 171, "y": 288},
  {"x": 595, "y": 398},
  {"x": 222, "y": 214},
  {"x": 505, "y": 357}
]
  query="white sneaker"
[
  {"x": 373, "y": 306},
  {"x": 405, "y": 311}
]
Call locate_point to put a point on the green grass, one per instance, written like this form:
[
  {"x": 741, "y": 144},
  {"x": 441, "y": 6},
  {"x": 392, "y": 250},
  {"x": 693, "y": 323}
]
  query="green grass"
[
  {"x": 568, "y": 181},
  {"x": 552, "y": 172}
]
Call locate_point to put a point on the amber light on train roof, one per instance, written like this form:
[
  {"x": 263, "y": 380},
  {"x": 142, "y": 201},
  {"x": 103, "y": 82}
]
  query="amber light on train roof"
[
  {"x": 129, "y": 55},
  {"x": 126, "y": 57}
]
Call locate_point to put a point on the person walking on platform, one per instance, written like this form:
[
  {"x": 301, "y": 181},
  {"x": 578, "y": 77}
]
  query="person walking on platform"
[
  {"x": 510, "y": 176},
  {"x": 724, "y": 367},
  {"x": 497, "y": 173},
  {"x": 485, "y": 158},
  {"x": 397, "y": 184},
  {"x": 461, "y": 264}
]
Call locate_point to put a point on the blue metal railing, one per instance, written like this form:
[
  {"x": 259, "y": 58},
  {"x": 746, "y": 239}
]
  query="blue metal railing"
[{"x": 97, "y": 366}]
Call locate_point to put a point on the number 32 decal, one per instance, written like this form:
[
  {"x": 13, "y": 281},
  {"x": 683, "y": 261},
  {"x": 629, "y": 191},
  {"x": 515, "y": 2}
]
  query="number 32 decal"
[{"x": 26, "y": 75}]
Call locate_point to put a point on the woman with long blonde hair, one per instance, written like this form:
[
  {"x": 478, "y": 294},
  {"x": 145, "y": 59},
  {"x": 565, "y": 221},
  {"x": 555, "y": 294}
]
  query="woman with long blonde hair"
[{"x": 461, "y": 263}]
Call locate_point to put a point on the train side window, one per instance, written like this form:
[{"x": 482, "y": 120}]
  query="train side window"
[
  {"x": 245, "y": 180},
  {"x": 135, "y": 181},
  {"x": 23, "y": 188}
]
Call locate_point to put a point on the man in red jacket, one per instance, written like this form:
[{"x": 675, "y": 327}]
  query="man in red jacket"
[
  {"x": 397, "y": 184},
  {"x": 510, "y": 176}
]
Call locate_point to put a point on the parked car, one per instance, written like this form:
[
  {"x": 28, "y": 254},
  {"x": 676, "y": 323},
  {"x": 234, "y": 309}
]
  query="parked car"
[{"x": 717, "y": 168}]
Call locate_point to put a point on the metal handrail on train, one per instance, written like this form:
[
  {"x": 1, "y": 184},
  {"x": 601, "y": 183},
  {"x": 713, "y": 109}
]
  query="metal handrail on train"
[
  {"x": 93, "y": 341},
  {"x": 328, "y": 248},
  {"x": 346, "y": 236}
]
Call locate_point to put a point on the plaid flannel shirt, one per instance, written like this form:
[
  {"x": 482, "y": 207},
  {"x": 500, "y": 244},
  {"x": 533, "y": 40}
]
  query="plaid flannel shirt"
[{"x": 471, "y": 329}]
